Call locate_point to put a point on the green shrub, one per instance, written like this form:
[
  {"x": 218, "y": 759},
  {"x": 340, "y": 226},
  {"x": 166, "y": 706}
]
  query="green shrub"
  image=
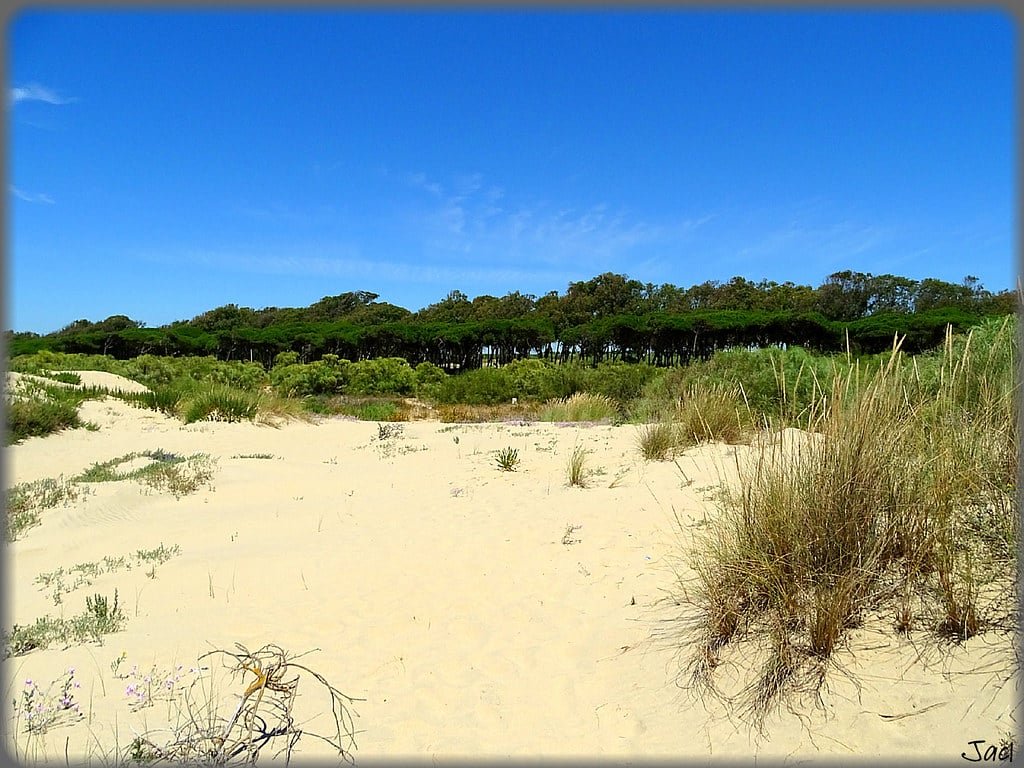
[
  {"x": 381, "y": 376},
  {"x": 538, "y": 380},
  {"x": 153, "y": 371},
  {"x": 286, "y": 358},
  {"x": 427, "y": 375},
  {"x": 481, "y": 386},
  {"x": 623, "y": 382},
  {"x": 317, "y": 378}
]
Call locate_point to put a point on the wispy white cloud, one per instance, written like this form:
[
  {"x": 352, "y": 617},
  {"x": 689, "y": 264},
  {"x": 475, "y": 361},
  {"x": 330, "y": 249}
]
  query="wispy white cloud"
[
  {"x": 31, "y": 197},
  {"x": 37, "y": 92},
  {"x": 469, "y": 218},
  {"x": 346, "y": 262}
]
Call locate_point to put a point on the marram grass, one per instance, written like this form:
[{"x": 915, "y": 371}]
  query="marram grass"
[{"x": 898, "y": 500}]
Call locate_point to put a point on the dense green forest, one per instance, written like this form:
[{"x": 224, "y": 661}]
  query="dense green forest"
[{"x": 609, "y": 317}]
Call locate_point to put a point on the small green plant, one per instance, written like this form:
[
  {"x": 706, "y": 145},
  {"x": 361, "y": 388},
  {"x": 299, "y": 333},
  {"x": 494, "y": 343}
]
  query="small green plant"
[
  {"x": 115, "y": 665},
  {"x": 253, "y": 456},
  {"x": 508, "y": 459},
  {"x": 578, "y": 466},
  {"x": 105, "y": 617},
  {"x": 43, "y": 710}
]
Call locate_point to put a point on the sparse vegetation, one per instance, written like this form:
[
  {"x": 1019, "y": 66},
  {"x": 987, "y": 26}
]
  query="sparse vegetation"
[
  {"x": 177, "y": 474},
  {"x": 83, "y": 574},
  {"x": 99, "y": 618},
  {"x": 26, "y": 500}
]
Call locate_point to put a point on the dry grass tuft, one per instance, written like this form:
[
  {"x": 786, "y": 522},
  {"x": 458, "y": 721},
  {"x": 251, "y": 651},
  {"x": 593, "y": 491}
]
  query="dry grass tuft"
[{"x": 900, "y": 499}]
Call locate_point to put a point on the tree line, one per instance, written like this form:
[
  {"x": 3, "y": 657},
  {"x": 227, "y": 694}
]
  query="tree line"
[{"x": 607, "y": 317}]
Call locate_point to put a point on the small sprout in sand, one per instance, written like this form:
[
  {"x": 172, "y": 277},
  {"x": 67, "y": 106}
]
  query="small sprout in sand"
[
  {"x": 567, "y": 537},
  {"x": 387, "y": 431}
]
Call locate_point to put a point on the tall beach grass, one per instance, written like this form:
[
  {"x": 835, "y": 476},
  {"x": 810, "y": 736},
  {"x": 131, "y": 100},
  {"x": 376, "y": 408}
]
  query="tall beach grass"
[{"x": 897, "y": 501}]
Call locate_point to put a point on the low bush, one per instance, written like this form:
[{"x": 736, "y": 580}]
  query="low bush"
[
  {"x": 36, "y": 417},
  {"x": 381, "y": 376}
]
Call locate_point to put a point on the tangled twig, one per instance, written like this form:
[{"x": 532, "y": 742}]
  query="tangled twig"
[{"x": 263, "y": 714}]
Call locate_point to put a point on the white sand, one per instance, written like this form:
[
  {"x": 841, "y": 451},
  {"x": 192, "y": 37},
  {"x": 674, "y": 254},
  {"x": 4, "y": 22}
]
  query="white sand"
[{"x": 438, "y": 588}]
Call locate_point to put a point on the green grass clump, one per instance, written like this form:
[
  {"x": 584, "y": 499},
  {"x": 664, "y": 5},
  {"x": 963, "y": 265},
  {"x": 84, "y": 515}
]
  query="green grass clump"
[
  {"x": 577, "y": 468},
  {"x": 66, "y": 377},
  {"x": 900, "y": 499},
  {"x": 658, "y": 441},
  {"x": 581, "y": 406},
  {"x": 220, "y": 403},
  {"x": 508, "y": 459},
  {"x": 25, "y": 500},
  {"x": 710, "y": 414},
  {"x": 37, "y": 417},
  {"x": 375, "y": 411}
]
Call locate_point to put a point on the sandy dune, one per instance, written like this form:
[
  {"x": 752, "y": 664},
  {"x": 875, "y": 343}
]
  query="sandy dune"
[{"x": 439, "y": 589}]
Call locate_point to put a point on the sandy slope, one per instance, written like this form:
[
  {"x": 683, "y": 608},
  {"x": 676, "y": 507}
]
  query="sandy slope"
[{"x": 439, "y": 589}]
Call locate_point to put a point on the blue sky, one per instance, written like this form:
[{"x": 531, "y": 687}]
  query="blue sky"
[{"x": 165, "y": 162}]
